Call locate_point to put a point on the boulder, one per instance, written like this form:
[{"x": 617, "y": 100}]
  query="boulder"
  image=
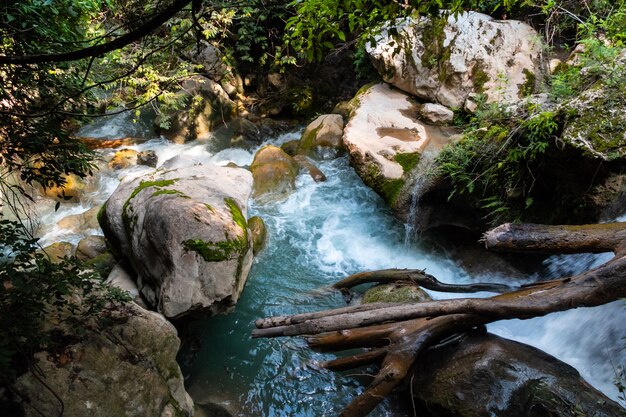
[
  {"x": 73, "y": 189},
  {"x": 322, "y": 135},
  {"x": 183, "y": 229},
  {"x": 123, "y": 158},
  {"x": 58, "y": 250},
  {"x": 77, "y": 223},
  {"x": 128, "y": 369},
  {"x": 436, "y": 114},
  {"x": 148, "y": 158},
  {"x": 91, "y": 247},
  {"x": 259, "y": 233},
  {"x": 486, "y": 375},
  {"x": 469, "y": 54},
  {"x": 384, "y": 146},
  {"x": 274, "y": 173},
  {"x": 208, "y": 106}
]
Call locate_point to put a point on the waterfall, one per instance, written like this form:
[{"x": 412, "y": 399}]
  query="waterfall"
[{"x": 422, "y": 172}]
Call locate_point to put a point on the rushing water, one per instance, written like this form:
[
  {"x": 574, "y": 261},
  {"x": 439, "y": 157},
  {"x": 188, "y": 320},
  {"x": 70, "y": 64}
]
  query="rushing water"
[{"x": 321, "y": 233}]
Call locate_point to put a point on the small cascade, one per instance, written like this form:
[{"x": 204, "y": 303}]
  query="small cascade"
[{"x": 422, "y": 173}]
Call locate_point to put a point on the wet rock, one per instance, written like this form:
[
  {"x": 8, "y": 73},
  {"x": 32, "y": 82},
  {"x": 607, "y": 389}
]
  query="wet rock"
[
  {"x": 465, "y": 56},
  {"x": 436, "y": 113},
  {"x": 126, "y": 370},
  {"x": 595, "y": 121},
  {"x": 395, "y": 293},
  {"x": 274, "y": 173},
  {"x": 90, "y": 247},
  {"x": 183, "y": 229},
  {"x": 148, "y": 158},
  {"x": 323, "y": 133},
  {"x": 79, "y": 223},
  {"x": 123, "y": 159},
  {"x": 73, "y": 189},
  {"x": 57, "y": 251},
  {"x": 314, "y": 171},
  {"x": 259, "y": 233},
  {"x": 486, "y": 375},
  {"x": 290, "y": 147}
]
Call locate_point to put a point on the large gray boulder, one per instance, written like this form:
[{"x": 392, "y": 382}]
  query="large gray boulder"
[
  {"x": 126, "y": 370},
  {"x": 471, "y": 54},
  {"x": 486, "y": 375},
  {"x": 183, "y": 229}
]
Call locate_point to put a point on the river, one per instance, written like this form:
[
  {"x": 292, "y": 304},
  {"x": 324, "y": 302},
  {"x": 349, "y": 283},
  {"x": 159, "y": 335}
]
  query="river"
[{"x": 321, "y": 233}]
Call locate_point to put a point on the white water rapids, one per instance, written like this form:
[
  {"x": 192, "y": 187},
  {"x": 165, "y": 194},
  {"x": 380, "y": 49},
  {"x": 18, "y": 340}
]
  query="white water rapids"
[{"x": 321, "y": 233}]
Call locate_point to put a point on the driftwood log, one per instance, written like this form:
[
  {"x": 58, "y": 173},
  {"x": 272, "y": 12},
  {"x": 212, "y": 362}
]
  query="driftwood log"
[{"x": 394, "y": 335}]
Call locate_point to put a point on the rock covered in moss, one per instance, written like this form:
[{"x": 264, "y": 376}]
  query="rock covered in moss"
[
  {"x": 183, "y": 229},
  {"x": 595, "y": 122},
  {"x": 127, "y": 370},
  {"x": 123, "y": 158},
  {"x": 259, "y": 233},
  {"x": 58, "y": 250},
  {"x": 384, "y": 138},
  {"x": 486, "y": 375},
  {"x": 322, "y": 135},
  {"x": 274, "y": 173},
  {"x": 470, "y": 53},
  {"x": 395, "y": 293}
]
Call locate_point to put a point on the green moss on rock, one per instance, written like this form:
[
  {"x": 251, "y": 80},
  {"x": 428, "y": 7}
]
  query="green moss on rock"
[
  {"x": 170, "y": 192},
  {"x": 408, "y": 161}
]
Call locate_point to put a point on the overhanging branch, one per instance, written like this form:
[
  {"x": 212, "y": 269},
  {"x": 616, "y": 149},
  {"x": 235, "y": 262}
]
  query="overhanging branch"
[{"x": 97, "y": 50}]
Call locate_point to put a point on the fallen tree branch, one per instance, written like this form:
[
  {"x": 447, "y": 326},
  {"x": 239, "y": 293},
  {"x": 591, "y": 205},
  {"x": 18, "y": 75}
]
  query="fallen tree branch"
[
  {"x": 400, "y": 332},
  {"x": 419, "y": 277}
]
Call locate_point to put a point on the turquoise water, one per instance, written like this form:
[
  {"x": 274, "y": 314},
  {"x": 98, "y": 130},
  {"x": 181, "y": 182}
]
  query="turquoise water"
[{"x": 320, "y": 234}]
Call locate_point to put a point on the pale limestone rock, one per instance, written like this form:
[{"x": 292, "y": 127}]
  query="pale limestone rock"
[
  {"x": 380, "y": 128},
  {"x": 183, "y": 230},
  {"x": 473, "y": 54}
]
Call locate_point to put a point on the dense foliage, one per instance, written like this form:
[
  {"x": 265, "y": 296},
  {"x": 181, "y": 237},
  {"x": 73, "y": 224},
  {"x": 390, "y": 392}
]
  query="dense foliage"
[{"x": 503, "y": 157}]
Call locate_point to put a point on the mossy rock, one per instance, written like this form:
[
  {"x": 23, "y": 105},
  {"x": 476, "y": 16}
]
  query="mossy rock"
[
  {"x": 274, "y": 173},
  {"x": 595, "y": 122},
  {"x": 323, "y": 133},
  {"x": 395, "y": 293},
  {"x": 57, "y": 251},
  {"x": 259, "y": 233},
  {"x": 290, "y": 147},
  {"x": 74, "y": 189}
]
